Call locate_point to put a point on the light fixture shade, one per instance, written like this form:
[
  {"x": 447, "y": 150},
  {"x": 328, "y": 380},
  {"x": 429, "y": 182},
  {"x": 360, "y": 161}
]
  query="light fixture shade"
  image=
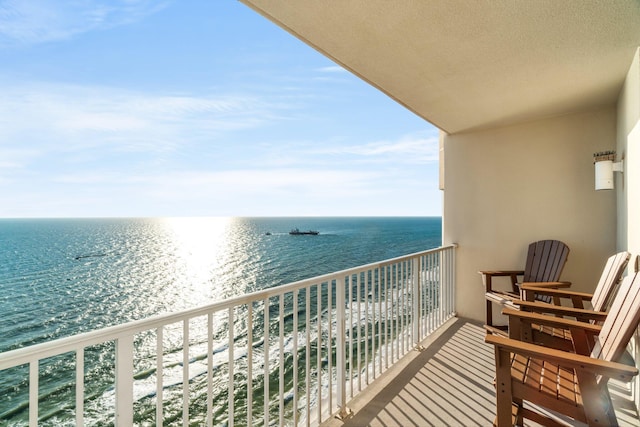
[{"x": 604, "y": 175}]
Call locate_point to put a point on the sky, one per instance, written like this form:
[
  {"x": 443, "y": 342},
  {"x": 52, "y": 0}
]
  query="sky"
[{"x": 140, "y": 108}]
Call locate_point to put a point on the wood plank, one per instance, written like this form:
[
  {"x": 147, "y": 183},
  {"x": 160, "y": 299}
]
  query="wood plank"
[
  {"x": 622, "y": 320},
  {"x": 528, "y": 268},
  {"x": 519, "y": 365},
  {"x": 609, "y": 280},
  {"x": 549, "y": 378},
  {"x": 567, "y": 386}
]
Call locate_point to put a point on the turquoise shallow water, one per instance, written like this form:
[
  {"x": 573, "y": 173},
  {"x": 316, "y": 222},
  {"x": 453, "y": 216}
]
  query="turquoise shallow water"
[{"x": 60, "y": 277}]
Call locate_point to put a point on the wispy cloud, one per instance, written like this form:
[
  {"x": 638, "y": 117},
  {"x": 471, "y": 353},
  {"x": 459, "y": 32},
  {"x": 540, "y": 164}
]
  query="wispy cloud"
[
  {"x": 71, "y": 117},
  {"x": 38, "y": 21},
  {"x": 411, "y": 148},
  {"x": 332, "y": 69}
]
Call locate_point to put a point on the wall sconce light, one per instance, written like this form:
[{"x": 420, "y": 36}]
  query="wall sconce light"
[{"x": 605, "y": 167}]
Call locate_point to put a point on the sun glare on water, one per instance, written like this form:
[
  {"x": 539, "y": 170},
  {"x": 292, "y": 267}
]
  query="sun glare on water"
[{"x": 198, "y": 245}]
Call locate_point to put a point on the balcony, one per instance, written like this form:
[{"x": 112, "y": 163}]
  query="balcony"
[
  {"x": 450, "y": 382},
  {"x": 405, "y": 359}
]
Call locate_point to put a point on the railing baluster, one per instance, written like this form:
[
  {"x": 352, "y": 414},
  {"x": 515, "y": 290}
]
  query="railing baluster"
[
  {"x": 440, "y": 260},
  {"x": 330, "y": 343},
  {"x": 397, "y": 311},
  {"x": 124, "y": 381},
  {"x": 281, "y": 357},
  {"x": 432, "y": 306},
  {"x": 295, "y": 359},
  {"x": 159, "y": 375},
  {"x": 424, "y": 286},
  {"x": 450, "y": 274},
  {"x": 250, "y": 364},
  {"x": 436, "y": 263},
  {"x": 386, "y": 317},
  {"x": 33, "y": 392},
  {"x": 415, "y": 321},
  {"x": 380, "y": 330},
  {"x": 341, "y": 359},
  {"x": 445, "y": 282},
  {"x": 80, "y": 387},
  {"x": 266, "y": 362},
  {"x": 359, "y": 328},
  {"x": 424, "y": 293},
  {"x": 373, "y": 323},
  {"x": 365, "y": 283},
  {"x": 231, "y": 366},
  {"x": 319, "y": 348},
  {"x": 185, "y": 372},
  {"x": 429, "y": 284},
  {"x": 401, "y": 305},
  {"x": 349, "y": 285},
  {"x": 308, "y": 354},
  {"x": 434, "y": 283},
  {"x": 210, "y": 370},
  {"x": 438, "y": 296}
]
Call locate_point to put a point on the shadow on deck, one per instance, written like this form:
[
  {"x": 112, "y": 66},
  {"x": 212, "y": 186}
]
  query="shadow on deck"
[{"x": 450, "y": 383}]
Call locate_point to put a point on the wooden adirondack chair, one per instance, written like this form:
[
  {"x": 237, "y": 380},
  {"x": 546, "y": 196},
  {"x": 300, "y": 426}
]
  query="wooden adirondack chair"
[
  {"x": 568, "y": 383},
  {"x": 600, "y": 300},
  {"x": 603, "y": 294},
  {"x": 545, "y": 261}
]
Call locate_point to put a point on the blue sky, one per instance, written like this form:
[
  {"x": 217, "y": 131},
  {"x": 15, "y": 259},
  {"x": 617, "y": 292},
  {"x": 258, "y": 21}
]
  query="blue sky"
[{"x": 194, "y": 108}]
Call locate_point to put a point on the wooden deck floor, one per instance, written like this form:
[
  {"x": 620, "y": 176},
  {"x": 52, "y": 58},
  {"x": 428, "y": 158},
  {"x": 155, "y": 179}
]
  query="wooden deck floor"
[{"x": 450, "y": 383}]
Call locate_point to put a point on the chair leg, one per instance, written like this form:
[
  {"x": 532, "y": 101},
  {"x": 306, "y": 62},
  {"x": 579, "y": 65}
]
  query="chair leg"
[
  {"x": 599, "y": 411},
  {"x": 504, "y": 398},
  {"x": 519, "y": 415}
]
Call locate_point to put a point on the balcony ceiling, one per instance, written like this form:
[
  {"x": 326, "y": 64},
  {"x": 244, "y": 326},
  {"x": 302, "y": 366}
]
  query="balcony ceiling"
[{"x": 465, "y": 65}]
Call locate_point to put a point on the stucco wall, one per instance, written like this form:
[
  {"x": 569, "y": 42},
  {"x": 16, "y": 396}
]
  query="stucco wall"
[
  {"x": 628, "y": 148},
  {"x": 509, "y": 186}
]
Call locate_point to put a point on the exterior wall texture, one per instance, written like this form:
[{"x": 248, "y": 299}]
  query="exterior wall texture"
[
  {"x": 628, "y": 149},
  {"x": 628, "y": 193},
  {"x": 507, "y": 187}
]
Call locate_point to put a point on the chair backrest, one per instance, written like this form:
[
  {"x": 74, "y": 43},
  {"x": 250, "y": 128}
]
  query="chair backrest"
[
  {"x": 621, "y": 322},
  {"x": 545, "y": 261},
  {"x": 609, "y": 280}
]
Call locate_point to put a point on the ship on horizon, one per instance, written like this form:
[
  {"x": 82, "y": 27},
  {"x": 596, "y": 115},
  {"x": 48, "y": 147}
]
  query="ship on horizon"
[{"x": 297, "y": 232}]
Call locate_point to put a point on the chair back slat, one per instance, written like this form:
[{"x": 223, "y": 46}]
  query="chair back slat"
[
  {"x": 609, "y": 281},
  {"x": 621, "y": 322},
  {"x": 545, "y": 261}
]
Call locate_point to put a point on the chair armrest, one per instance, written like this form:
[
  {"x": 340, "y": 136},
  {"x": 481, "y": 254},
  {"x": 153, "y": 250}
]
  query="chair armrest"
[
  {"x": 556, "y": 322},
  {"x": 501, "y": 272},
  {"x": 562, "y": 293},
  {"x": 487, "y": 276},
  {"x": 581, "y": 314},
  {"x": 576, "y": 361},
  {"x": 552, "y": 285}
]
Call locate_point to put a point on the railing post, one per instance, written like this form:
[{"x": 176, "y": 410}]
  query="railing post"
[
  {"x": 34, "y": 372},
  {"x": 124, "y": 381},
  {"x": 341, "y": 356},
  {"x": 415, "y": 300},
  {"x": 454, "y": 284}
]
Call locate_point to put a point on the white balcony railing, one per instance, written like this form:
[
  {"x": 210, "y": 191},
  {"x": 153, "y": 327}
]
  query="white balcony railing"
[{"x": 326, "y": 339}]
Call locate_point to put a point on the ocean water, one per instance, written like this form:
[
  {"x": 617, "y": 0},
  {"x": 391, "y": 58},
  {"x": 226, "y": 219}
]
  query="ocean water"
[{"x": 60, "y": 277}]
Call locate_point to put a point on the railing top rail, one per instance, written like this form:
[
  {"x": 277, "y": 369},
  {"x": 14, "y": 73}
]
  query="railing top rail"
[{"x": 25, "y": 355}]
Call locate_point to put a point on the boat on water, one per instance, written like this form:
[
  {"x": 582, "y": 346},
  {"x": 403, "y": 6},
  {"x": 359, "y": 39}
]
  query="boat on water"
[{"x": 297, "y": 232}]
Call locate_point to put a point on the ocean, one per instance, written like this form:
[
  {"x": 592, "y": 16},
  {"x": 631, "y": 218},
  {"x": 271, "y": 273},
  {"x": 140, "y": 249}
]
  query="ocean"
[{"x": 60, "y": 277}]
